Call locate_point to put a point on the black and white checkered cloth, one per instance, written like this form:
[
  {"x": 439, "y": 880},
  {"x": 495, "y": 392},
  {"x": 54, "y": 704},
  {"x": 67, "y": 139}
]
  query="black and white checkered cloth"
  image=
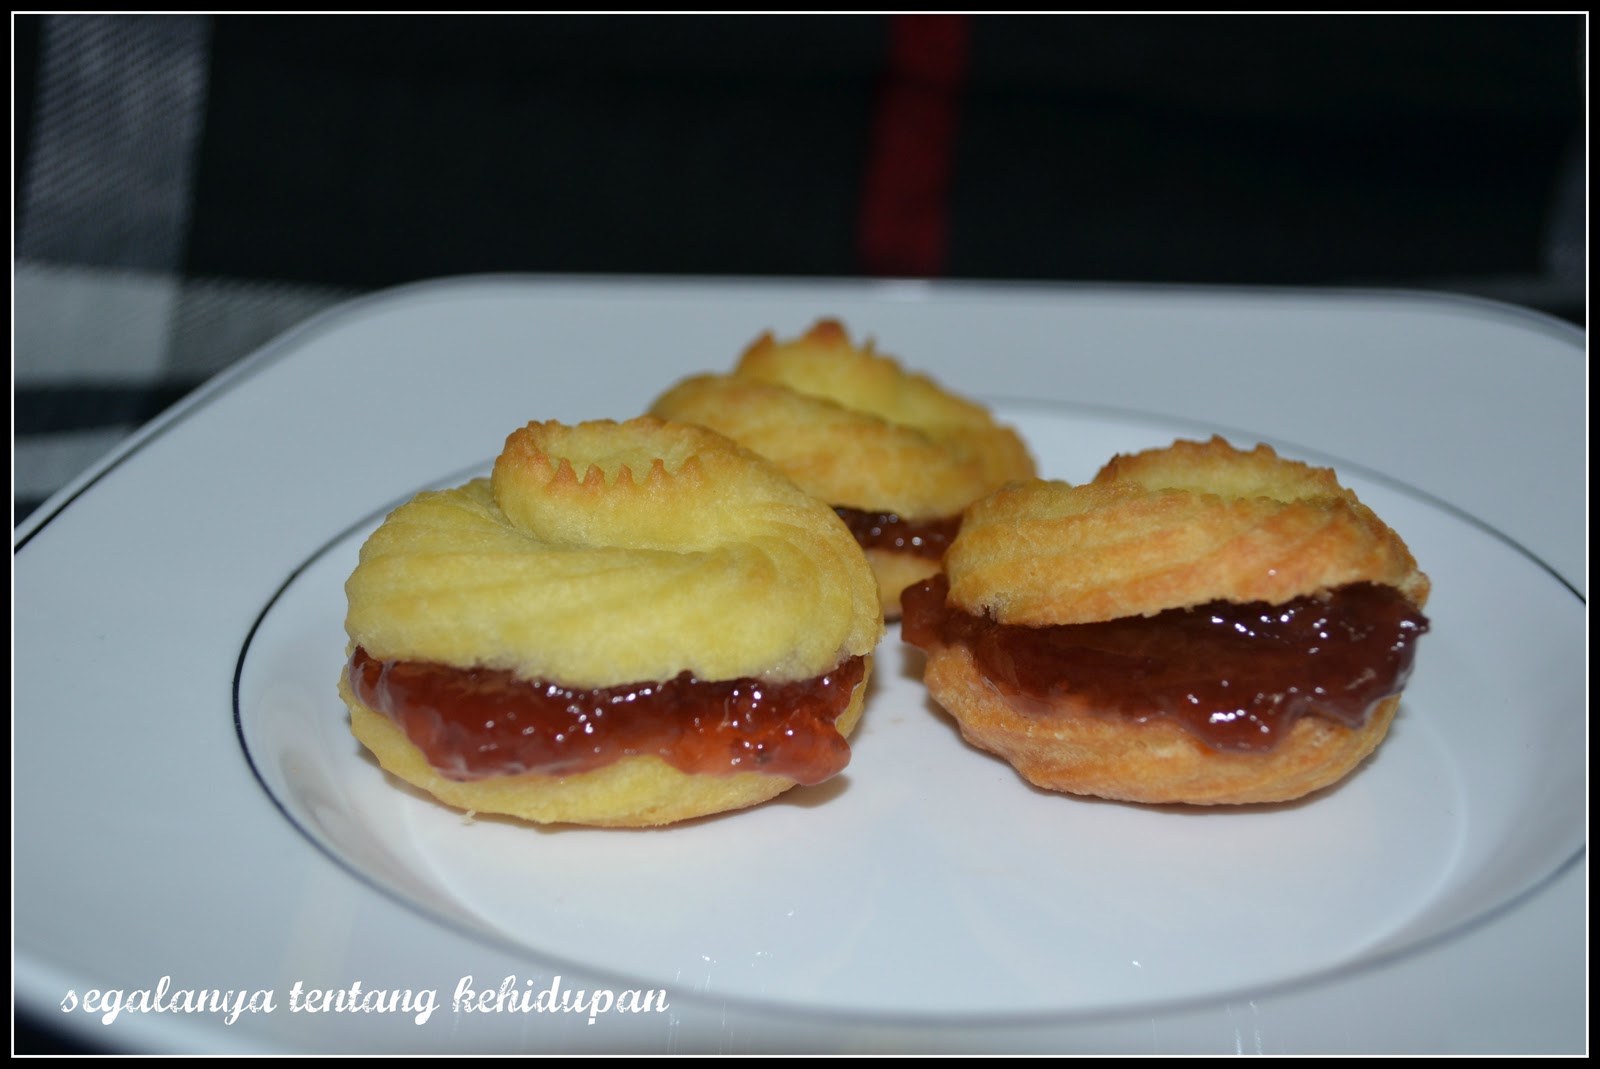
[
  {"x": 189, "y": 186},
  {"x": 110, "y": 326}
]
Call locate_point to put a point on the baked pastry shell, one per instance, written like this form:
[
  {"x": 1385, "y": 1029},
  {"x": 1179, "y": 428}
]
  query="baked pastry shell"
[
  {"x": 589, "y": 559},
  {"x": 895, "y": 571},
  {"x": 855, "y": 429},
  {"x": 856, "y": 457},
  {"x": 1170, "y": 528}
]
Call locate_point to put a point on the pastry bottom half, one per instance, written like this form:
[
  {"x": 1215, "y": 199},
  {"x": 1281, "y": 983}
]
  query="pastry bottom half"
[
  {"x": 895, "y": 571},
  {"x": 1082, "y": 751},
  {"x": 632, "y": 792}
]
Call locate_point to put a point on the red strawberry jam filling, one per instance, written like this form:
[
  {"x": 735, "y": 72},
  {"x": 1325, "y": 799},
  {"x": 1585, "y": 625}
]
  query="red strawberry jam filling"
[
  {"x": 888, "y": 530},
  {"x": 1236, "y": 675},
  {"x": 473, "y": 723}
]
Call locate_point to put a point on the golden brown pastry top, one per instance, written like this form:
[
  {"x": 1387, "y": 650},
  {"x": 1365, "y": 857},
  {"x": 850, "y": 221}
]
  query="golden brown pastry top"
[
  {"x": 852, "y": 427},
  {"x": 606, "y": 553},
  {"x": 1171, "y": 528}
]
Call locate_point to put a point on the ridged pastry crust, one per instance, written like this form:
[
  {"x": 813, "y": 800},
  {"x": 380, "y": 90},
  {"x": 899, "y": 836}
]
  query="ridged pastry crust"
[
  {"x": 605, "y": 554},
  {"x": 1194, "y": 523},
  {"x": 608, "y": 553},
  {"x": 852, "y": 427},
  {"x": 1171, "y": 528}
]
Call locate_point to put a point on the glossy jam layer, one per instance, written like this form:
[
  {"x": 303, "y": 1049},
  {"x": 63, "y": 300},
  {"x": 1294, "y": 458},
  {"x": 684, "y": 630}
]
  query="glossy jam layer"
[
  {"x": 1236, "y": 675},
  {"x": 886, "y": 530},
  {"x": 480, "y": 722}
]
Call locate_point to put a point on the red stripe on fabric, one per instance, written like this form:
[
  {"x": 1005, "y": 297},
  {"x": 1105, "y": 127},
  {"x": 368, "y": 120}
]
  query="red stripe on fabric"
[{"x": 903, "y": 230}]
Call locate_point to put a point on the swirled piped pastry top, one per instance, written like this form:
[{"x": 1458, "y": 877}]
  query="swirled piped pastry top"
[
  {"x": 1170, "y": 528},
  {"x": 605, "y": 553},
  {"x": 852, "y": 427}
]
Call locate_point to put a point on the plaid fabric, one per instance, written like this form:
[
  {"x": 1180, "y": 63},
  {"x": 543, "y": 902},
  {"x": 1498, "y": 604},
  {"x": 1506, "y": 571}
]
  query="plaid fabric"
[
  {"x": 189, "y": 186},
  {"x": 110, "y": 326}
]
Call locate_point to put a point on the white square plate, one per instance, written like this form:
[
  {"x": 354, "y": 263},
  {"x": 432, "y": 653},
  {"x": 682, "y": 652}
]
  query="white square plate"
[{"x": 189, "y": 804}]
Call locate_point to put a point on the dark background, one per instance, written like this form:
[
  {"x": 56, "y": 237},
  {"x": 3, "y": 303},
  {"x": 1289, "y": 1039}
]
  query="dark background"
[
  {"x": 1378, "y": 150},
  {"x": 332, "y": 155}
]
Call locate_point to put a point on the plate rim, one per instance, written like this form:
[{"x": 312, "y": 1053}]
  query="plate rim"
[{"x": 288, "y": 342}]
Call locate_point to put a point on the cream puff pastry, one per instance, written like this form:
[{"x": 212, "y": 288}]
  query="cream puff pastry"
[
  {"x": 897, "y": 455},
  {"x": 1199, "y": 624},
  {"x": 627, "y": 625}
]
